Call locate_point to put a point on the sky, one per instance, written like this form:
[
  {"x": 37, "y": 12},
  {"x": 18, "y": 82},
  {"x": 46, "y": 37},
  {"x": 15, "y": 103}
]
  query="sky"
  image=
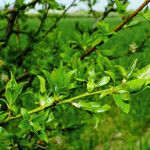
[{"x": 99, "y": 7}]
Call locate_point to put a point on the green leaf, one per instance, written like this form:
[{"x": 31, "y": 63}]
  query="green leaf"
[
  {"x": 48, "y": 77},
  {"x": 42, "y": 135},
  {"x": 2, "y": 116},
  {"x": 92, "y": 106},
  {"x": 133, "y": 24},
  {"x": 144, "y": 73},
  {"x": 50, "y": 117},
  {"x": 147, "y": 15},
  {"x": 13, "y": 90},
  {"x": 121, "y": 8},
  {"x": 124, "y": 94},
  {"x": 103, "y": 28},
  {"x": 97, "y": 41},
  {"x": 42, "y": 84},
  {"x": 25, "y": 114},
  {"x": 35, "y": 127},
  {"x": 90, "y": 85},
  {"x": 40, "y": 118},
  {"x": 25, "y": 124},
  {"x": 122, "y": 71},
  {"x": 105, "y": 93},
  {"x": 80, "y": 79},
  {"x": 111, "y": 74},
  {"x": 132, "y": 68},
  {"x": 58, "y": 79},
  {"x": 124, "y": 105},
  {"x": 103, "y": 81},
  {"x": 135, "y": 85}
]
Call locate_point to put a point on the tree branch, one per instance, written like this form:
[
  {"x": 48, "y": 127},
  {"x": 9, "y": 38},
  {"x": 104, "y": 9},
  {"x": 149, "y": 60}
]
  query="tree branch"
[
  {"x": 59, "y": 18},
  {"x": 38, "y": 109},
  {"x": 56, "y": 102},
  {"x": 11, "y": 20},
  {"x": 117, "y": 28}
]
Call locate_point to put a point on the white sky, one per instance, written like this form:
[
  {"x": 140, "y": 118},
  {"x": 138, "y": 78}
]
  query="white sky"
[{"x": 100, "y": 6}]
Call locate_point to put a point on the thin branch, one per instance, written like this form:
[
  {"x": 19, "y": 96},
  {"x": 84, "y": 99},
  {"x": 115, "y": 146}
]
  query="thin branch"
[
  {"x": 117, "y": 28},
  {"x": 55, "y": 102},
  {"x": 59, "y": 18},
  {"x": 42, "y": 21},
  {"x": 38, "y": 109},
  {"x": 91, "y": 9}
]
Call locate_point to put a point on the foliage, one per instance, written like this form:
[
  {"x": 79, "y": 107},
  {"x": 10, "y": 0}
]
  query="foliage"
[{"x": 50, "y": 96}]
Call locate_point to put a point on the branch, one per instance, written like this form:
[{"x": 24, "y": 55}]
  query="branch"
[
  {"x": 56, "y": 102},
  {"x": 59, "y": 18},
  {"x": 38, "y": 109},
  {"x": 91, "y": 9},
  {"x": 11, "y": 20},
  {"x": 42, "y": 21},
  {"x": 117, "y": 28}
]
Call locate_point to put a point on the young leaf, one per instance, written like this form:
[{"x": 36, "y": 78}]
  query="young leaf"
[
  {"x": 105, "y": 93},
  {"x": 40, "y": 118},
  {"x": 42, "y": 84},
  {"x": 144, "y": 73},
  {"x": 147, "y": 15},
  {"x": 135, "y": 85},
  {"x": 13, "y": 90},
  {"x": 124, "y": 105},
  {"x": 25, "y": 124},
  {"x": 124, "y": 94},
  {"x": 122, "y": 71},
  {"x": 103, "y": 81},
  {"x": 132, "y": 68},
  {"x": 92, "y": 106},
  {"x": 90, "y": 85}
]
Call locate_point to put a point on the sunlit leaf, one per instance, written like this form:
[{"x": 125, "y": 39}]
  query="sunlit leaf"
[{"x": 103, "y": 81}]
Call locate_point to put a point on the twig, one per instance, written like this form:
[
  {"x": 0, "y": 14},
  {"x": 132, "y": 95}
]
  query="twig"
[
  {"x": 42, "y": 21},
  {"x": 117, "y": 28},
  {"x": 69, "y": 100},
  {"x": 91, "y": 9},
  {"x": 38, "y": 109},
  {"x": 59, "y": 18}
]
